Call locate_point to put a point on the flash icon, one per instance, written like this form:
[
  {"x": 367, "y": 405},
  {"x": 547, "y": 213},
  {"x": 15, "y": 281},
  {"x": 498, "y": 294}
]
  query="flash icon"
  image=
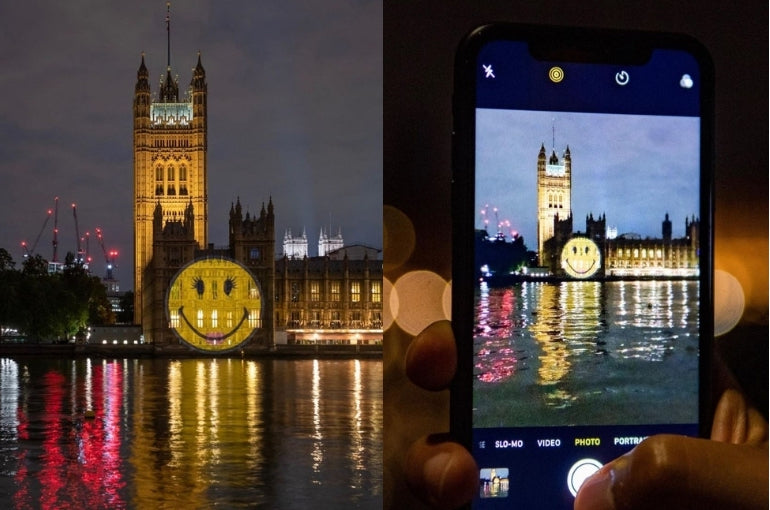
[{"x": 488, "y": 72}]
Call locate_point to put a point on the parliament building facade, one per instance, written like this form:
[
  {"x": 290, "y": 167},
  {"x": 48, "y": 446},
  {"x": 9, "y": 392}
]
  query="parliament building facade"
[{"x": 330, "y": 299}]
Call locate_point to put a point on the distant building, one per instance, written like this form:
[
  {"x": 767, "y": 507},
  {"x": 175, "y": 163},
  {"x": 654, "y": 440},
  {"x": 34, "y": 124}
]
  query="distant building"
[
  {"x": 618, "y": 255},
  {"x": 327, "y": 243},
  {"x": 295, "y": 247},
  {"x": 355, "y": 251}
]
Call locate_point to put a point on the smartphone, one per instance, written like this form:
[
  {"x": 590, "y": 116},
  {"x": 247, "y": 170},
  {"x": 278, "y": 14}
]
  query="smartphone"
[{"x": 582, "y": 252}]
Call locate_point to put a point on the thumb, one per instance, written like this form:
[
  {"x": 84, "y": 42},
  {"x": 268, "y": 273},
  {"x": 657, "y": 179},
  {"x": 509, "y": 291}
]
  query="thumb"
[{"x": 669, "y": 471}]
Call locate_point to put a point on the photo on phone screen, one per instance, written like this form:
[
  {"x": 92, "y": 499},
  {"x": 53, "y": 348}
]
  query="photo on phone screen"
[{"x": 582, "y": 270}]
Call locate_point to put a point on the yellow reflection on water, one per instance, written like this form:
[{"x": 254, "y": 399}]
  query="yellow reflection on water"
[
  {"x": 356, "y": 440},
  {"x": 317, "y": 453},
  {"x": 253, "y": 391},
  {"x": 175, "y": 423},
  {"x": 213, "y": 411},
  {"x": 548, "y": 330}
]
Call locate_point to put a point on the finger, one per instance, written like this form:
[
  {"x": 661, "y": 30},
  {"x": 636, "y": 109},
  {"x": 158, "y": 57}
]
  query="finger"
[
  {"x": 679, "y": 472},
  {"x": 736, "y": 422},
  {"x": 440, "y": 472},
  {"x": 431, "y": 359}
]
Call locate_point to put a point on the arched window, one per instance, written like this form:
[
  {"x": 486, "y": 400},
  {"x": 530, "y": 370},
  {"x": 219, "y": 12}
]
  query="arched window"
[
  {"x": 170, "y": 174},
  {"x": 182, "y": 173}
]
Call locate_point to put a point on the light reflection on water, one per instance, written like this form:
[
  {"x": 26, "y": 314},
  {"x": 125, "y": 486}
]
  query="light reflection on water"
[
  {"x": 190, "y": 433},
  {"x": 562, "y": 346}
]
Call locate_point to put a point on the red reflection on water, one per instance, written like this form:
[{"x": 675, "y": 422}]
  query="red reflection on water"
[
  {"x": 21, "y": 497},
  {"x": 495, "y": 358},
  {"x": 53, "y": 463},
  {"x": 80, "y": 464}
]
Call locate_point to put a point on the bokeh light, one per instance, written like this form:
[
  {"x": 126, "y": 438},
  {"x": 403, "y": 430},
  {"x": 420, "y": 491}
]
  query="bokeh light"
[
  {"x": 398, "y": 238},
  {"x": 729, "y": 302},
  {"x": 421, "y": 300},
  {"x": 390, "y": 305}
]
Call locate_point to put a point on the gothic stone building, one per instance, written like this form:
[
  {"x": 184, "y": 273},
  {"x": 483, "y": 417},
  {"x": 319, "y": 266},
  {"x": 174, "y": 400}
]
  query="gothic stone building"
[
  {"x": 170, "y": 139},
  {"x": 251, "y": 243},
  {"x": 323, "y": 300}
]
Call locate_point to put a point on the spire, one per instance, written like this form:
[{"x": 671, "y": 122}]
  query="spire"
[
  {"x": 169, "y": 89},
  {"x": 198, "y": 81},
  {"x": 142, "y": 73}
]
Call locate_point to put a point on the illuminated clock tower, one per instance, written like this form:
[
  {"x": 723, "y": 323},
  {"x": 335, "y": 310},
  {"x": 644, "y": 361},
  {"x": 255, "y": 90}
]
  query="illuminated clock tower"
[
  {"x": 169, "y": 167},
  {"x": 554, "y": 195}
]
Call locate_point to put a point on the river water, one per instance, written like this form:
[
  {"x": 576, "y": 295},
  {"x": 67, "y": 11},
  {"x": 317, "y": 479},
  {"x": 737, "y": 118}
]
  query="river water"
[
  {"x": 190, "y": 434},
  {"x": 586, "y": 353}
]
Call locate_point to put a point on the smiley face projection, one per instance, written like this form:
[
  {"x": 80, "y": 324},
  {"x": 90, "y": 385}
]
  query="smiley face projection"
[
  {"x": 214, "y": 304},
  {"x": 580, "y": 257}
]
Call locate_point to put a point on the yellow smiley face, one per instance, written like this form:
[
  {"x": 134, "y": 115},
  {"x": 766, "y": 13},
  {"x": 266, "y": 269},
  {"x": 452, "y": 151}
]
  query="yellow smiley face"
[
  {"x": 214, "y": 304},
  {"x": 580, "y": 257}
]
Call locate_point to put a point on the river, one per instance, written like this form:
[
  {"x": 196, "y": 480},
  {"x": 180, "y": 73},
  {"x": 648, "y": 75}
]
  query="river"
[
  {"x": 587, "y": 353},
  {"x": 190, "y": 434}
]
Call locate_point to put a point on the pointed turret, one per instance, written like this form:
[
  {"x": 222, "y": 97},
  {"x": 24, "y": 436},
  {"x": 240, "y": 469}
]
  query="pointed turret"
[
  {"x": 199, "y": 75},
  {"x": 142, "y": 93},
  {"x": 198, "y": 85}
]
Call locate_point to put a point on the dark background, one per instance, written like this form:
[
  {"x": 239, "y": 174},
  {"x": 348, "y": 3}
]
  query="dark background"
[{"x": 420, "y": 38}]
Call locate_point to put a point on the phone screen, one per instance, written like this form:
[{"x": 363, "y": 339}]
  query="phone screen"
[{"x": 588, "y": 267}]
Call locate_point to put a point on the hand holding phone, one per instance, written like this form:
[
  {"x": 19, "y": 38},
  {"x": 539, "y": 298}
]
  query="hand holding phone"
[
  {"x": 582, "y": 260},
  {"x": 444, "y": 474}
]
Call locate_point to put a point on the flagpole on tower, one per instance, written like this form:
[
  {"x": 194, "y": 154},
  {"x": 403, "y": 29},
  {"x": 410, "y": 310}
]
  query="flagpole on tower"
[{"x": 168, "y": 35}]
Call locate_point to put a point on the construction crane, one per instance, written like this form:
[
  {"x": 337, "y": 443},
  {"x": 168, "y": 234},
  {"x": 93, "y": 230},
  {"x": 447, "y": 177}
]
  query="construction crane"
[
  {"x": 87, "y": 241},
  {"x": 109, "y": 256},
  {"x": 28, "y": 252},
  {"x": 80, "y": 258},
  {"x": 55, "y": 230}
]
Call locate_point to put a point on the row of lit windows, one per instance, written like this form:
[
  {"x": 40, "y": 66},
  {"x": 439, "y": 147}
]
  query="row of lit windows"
[
  {"x": 170, "y": 173},
  {"x": 555, "y": 201},
  {"x": 171, "y": 143},
  {"x": 315, "y": 319},
  {"x": 171, "y": 190},
  {"x": 170, "y": 187},
  {"x": 651, "y": 253},
  {"x": 639, "y": 263},
  {"x": 213, "y": 320},
  {"x": 375, "y": 289},
  {"x": 212, "y": 291}
]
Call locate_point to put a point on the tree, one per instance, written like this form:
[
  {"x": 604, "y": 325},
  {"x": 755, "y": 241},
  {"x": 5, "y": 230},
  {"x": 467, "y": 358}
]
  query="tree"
[
  {"x": 35, "y": 265},
  {"x": 6, "y": 261},
  {"x": 9, "y": 284}
]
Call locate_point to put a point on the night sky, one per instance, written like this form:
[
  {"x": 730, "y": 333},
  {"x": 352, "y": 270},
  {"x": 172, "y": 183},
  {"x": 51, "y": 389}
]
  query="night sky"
[
  {"x": 294, "y": 106},
  {"x": 633, "y": 168}
]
